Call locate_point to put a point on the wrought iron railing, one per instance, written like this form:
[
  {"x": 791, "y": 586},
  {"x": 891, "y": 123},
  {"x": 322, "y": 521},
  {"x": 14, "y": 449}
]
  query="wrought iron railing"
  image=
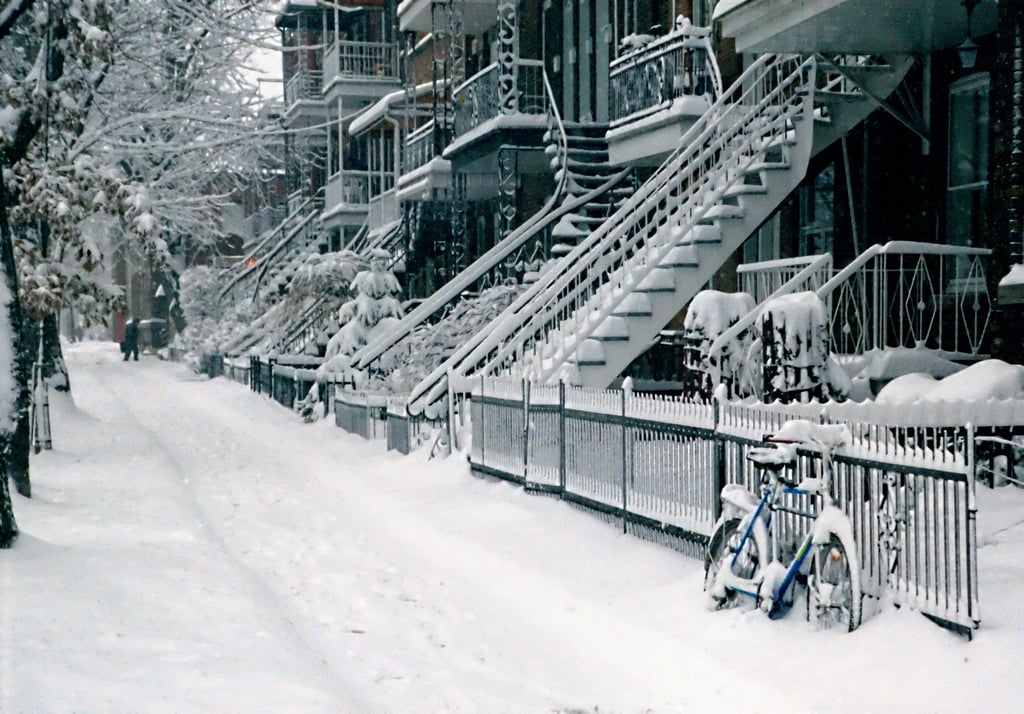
[
  {"x": 658, "y": 465},
  {"x": 419, "y": 148},
  {"x": 365, "y": 60},
  {"x": 907, "y": 294},
  {"x": 544, "y": 327},
  {"x": 678, "y": 65},
  {"x": 480, "y": 98},
  {"x": 761, "y": 280},
  {"x": 304, "y": 85},
  {"x": 384, "y": 209}
]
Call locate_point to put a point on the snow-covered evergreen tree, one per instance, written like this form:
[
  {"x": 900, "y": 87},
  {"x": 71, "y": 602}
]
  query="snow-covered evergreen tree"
[{"x": 373, "y": 310}]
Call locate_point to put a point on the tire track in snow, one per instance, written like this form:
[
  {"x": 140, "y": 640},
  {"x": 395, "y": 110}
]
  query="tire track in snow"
[{"x": 122, "y": 402}]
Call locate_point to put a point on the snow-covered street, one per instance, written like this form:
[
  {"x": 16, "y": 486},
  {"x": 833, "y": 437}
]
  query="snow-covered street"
[{"x": 194, "y": 547}]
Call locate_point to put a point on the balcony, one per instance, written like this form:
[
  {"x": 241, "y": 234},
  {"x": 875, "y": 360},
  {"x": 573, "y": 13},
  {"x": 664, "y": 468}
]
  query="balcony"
[
  {"x": 348, "y": 199},
  {"x": 303, "y": 86},
  {"x": 424, "y": 172},
  {"x": 477, "y": 15},
  {"x": 481, "y": 109},
  {"x": 851, "y": 26},
  {"x": 385, "y": 210},
  {"x": 302, "y": 99},
  {"x": 361, "y": 70},
  {"x": 657, "y": 92}
]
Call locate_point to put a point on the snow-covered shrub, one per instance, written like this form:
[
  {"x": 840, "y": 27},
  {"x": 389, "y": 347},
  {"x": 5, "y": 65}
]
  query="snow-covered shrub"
[
  {"x": 198, "y": 290},
  {"x": 711, "y": 313},
  {"x": 210, "y": 325},
  {"x": 406, "y": 364},
  {"x": 373, "y": 311},
  {"x": 797, "y": 362}
]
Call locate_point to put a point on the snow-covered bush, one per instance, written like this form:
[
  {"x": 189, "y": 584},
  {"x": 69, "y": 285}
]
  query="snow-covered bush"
[
  {"x": 210, "y": 325},
  {"x": 198, "y": 290},
  {"x": 797, "y": 362},
  {"x": 405, "y": 365},
  {"x": 373, "y": 311},
  {"x": 711, "y": 313}
]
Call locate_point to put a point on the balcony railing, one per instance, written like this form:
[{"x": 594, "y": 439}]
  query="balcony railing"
[
  {"x": 304, "y": 85},
  {"x": 365, "y": 60},
  {"x": 352, "y": 188},
  {"x": 677, "y": 65},
  {"x": 480, "y": 98},
  {"x": 419, "y": 148},
  {"x": 384, "y": 209}
]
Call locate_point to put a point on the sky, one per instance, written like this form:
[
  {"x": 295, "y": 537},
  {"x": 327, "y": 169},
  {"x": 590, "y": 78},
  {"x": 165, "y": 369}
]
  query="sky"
[{"x": 194, "y": 547}]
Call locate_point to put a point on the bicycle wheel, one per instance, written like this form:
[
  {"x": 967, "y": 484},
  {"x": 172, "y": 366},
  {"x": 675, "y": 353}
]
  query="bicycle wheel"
[
  {"x": 725, "y": 542},
  {"x": 833, "y": 587}
]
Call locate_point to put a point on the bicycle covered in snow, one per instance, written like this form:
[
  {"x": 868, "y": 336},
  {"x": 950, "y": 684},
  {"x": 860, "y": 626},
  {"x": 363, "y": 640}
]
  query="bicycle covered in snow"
[{"x": 748, "y": 555}]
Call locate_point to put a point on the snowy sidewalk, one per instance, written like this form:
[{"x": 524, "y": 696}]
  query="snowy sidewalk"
[{"x": 193, "y": 547}]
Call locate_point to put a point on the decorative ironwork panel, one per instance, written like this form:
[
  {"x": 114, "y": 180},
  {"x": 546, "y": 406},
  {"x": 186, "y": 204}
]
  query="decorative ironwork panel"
[
  {"x": 459, "y": 208},
  {"x": 508, "y": 53}
]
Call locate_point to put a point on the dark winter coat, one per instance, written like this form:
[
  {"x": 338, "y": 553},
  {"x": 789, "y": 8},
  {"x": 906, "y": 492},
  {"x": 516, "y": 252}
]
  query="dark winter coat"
[{"x": 131, "y": 336}]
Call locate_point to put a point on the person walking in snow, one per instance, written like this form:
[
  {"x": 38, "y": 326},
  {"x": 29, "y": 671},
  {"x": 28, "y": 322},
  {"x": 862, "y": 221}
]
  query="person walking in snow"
[{"x": 131, "y": 339}]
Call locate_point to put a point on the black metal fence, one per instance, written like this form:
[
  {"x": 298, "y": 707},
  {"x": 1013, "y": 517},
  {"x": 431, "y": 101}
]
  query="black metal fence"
[{"x": 657, "y": 465}]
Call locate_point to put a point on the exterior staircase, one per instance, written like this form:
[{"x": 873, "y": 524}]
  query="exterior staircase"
[
  {"x": 586, "y": 168},
  {"x": 276, "y": 255},
  {"x": 621, "y": 284}
]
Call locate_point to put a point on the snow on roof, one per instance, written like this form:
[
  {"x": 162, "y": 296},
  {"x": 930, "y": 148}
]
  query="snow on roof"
[{"x": 378, "y": 110}]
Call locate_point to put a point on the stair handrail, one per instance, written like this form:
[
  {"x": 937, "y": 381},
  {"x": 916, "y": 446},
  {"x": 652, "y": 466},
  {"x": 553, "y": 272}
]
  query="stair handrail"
[
  {"x": 794, "y": 284},
  {"x": 553, "y": 209},
  {"x": 564, "y": 291},
  {"x": 298, "y": 328},
  {"x": 261, "y": 263},
  {"x": 897, "y": 247}
]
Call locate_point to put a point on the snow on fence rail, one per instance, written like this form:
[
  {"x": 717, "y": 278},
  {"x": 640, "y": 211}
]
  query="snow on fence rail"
[{"x": 658, "y": 464}]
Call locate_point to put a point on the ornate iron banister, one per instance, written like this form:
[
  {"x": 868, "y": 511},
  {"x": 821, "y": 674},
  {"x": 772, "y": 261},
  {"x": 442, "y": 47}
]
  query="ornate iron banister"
[
  {"x": 546, "y": 324},
  {"x": 556, "y": 207}
]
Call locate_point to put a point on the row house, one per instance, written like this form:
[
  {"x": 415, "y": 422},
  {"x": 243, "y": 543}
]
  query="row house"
[{"x": 514, "y": 131}]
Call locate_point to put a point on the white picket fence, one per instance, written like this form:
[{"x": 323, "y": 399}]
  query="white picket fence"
[{"x": 657, "y": 464}]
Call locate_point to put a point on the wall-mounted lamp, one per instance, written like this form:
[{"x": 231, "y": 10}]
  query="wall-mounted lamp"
[{"x": 968, "y": 49}]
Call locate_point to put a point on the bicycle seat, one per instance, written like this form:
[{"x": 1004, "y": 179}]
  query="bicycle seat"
[{"x": 773, "y": 458}]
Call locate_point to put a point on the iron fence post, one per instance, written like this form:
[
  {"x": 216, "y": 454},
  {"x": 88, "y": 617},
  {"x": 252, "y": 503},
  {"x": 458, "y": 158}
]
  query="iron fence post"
[
  {"x": 561, "y": 437},
  {"x": 625, "y": 428},
  {"x": 973, "y": 610},
  {"x": 719, "y": 463},
  {"x": 526, "y": 432}
]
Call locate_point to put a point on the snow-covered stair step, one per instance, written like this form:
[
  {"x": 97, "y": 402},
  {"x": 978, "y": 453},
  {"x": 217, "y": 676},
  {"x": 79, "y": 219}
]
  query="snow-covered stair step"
[
  {"x": 682, "y": 256},
  {"x": 837, "y": 97},
  {"x": 590, "y": 353},
  {"x": 745, "y": 189},
  {"x": 720, "y": 212},
  {"x": 634, "y": 305},
  {"x": 612, "y": 329},
  {"x": 701, "y": 233},
  {"x": 761, "y": 166},
  {"x": 659, "y": 280}
]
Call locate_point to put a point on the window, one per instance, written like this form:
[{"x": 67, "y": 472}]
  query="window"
[{"x": 968, "y": 159}]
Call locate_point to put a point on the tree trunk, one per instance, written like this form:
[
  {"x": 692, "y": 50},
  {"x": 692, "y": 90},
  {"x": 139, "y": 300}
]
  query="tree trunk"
[
  {"x": 8, "y": 526},
  {"x": 54, "y": 368},
  {"x": 21, "y": 440}
]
